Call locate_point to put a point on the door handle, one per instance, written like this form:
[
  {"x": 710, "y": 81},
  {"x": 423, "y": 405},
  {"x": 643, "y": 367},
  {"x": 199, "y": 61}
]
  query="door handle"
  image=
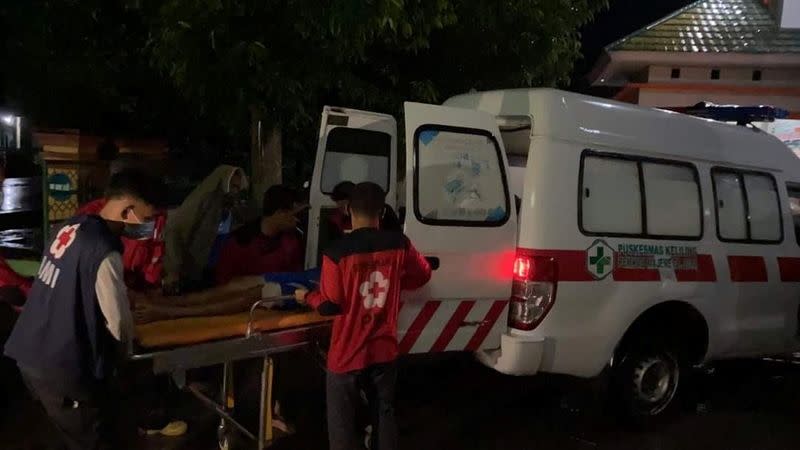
[{"x": 433, "y": 261}]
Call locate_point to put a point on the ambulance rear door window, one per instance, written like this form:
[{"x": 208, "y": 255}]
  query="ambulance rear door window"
[
  {"x": 356, "y": 155},
  {"x": 460, "y": 178}
]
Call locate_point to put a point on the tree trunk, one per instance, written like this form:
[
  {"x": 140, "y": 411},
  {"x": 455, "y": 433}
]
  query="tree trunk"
[{"x": 265, "y": 157}]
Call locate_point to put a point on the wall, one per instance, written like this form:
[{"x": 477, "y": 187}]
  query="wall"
[
  {"x": 728, "y": 75},
  {"x": 787, "y": 12}
]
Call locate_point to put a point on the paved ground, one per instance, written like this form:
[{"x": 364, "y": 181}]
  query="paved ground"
[{"x": 450, "y": 402}]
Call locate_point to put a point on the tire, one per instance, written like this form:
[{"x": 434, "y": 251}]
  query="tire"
[{"x": 645, "y": 383}]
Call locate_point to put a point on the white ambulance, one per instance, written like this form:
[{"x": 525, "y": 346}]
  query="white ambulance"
[{"x": 572, "y": 234}]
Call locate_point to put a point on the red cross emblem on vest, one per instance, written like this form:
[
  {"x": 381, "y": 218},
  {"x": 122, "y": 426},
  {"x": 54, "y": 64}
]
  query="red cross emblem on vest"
[
  {"x": 64, "y": 238},
  {"x": 374, "y": 290}
]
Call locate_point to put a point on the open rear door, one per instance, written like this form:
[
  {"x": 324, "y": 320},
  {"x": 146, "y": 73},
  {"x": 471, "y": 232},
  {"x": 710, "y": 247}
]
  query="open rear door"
[
  {"x": 460, "y": 216},
  {"x": 353, "y": 146}
]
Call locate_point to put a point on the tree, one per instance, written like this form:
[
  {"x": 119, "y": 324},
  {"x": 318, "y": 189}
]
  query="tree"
[
  {"x": 276, "y": 62},
  {"x": 216, "y": 69}
]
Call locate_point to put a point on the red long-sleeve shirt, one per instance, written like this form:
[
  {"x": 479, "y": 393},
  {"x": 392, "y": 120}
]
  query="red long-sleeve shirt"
[
  {"x": 362, "y": 276},
  {"x": 259, "y": 255}
]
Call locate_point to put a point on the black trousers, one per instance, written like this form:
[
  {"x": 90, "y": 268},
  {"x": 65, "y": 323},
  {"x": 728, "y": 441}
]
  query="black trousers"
[
  {"x": 344, "y": 400},
  {"x": 85, "y": 417}
]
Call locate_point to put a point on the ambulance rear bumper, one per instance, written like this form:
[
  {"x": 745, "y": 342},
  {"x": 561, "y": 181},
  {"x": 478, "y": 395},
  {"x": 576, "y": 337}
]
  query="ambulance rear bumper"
[{"x": 517, "y": 355}]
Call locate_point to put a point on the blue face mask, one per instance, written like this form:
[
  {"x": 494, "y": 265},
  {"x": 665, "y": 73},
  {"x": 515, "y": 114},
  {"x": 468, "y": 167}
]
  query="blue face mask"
[{"x": 138, "y": 231}]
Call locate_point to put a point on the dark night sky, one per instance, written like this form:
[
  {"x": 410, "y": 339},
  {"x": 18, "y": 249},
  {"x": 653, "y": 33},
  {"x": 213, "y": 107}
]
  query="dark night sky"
[{"x": 622, "y": 18}]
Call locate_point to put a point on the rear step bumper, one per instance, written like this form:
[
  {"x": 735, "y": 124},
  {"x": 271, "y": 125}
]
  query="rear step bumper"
[{"x": 517, "y": 355}]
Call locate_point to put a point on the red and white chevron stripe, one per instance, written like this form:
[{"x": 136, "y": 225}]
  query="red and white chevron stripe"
[{"x": 437, "y": 326}]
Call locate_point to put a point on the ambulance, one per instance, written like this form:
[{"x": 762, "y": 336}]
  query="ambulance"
[{"x": 581, "y": 236}]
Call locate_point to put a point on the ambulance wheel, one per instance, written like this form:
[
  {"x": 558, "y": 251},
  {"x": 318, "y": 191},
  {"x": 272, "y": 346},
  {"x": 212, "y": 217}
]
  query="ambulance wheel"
[{"x": 645, "y": 383}]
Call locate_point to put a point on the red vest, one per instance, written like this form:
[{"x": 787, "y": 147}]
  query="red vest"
[{"x": 363, "y": 274}]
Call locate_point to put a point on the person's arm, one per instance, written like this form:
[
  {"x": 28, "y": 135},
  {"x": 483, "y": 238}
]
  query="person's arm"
[
  {"x": 112, "y": 296},
  {"x": 329, "y": 298},
  {"x": 416, "y": 270},
  {"x": 148, "y": 312},
  {"x": 213, "y": 295}
]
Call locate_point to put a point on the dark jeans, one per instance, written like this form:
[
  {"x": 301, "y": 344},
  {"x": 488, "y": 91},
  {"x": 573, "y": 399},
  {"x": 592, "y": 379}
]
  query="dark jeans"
[
  {"x": 343, "y": 393},
  {"x": 85, "y": 417}
]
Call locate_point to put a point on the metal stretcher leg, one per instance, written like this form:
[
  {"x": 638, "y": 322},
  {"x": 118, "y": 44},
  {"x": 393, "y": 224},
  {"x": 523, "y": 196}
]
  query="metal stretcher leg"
[
  {"x": 265, "y": 425},
  {"x": 226, "y": 400}
]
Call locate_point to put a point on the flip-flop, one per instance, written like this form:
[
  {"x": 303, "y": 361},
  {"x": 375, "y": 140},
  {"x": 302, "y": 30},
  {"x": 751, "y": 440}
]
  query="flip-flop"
[{"x": 174, "y": 429}]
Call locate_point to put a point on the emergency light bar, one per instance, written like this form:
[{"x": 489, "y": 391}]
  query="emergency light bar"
[{"x": 742, "y": 115}]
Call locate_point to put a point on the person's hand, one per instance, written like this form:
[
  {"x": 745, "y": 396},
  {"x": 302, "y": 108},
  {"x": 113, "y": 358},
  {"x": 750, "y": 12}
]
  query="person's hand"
[
  {"x": 279, "y": 222},
  {"x": 300, "y": 295},
  {"x": 170, "y": 285}
]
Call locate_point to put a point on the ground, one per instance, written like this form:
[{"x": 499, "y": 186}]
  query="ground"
[{"x": 451, "y": 402}]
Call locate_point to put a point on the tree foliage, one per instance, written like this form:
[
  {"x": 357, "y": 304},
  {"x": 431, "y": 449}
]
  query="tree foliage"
[{"x": 218, "y": 63}]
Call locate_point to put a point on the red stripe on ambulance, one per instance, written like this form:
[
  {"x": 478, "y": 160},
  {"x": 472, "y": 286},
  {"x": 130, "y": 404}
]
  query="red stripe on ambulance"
[
  {"x": 486, "y": 326},
  {"x": 747, "y": 268},
  {"x": 571, "y": 263},
  {"x": 789, "y": 268},
  {"x": 418, "y": 325},
  {"x": 452, "y": 325},
  {"x": 705, "y": 271}
]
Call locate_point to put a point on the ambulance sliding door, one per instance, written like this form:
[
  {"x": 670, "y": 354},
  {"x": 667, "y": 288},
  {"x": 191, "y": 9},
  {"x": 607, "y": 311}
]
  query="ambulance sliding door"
[
  {"x": 459, "y": 215},
  {"x": 353, "y": 146}
]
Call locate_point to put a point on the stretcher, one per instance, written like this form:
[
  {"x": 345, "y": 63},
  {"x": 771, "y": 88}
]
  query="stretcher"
[{"x": 175, "y": 346}]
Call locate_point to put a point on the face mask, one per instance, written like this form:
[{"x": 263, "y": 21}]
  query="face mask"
[{"x": 138, "y": 231}]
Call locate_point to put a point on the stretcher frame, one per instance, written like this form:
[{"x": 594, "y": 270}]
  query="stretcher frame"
[{"x": 255, "y": 344}]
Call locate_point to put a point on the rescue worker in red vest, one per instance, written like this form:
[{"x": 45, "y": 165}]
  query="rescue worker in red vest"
[
  {"x": 77, "y": 319},
  {"x": 339, "y": 222},
  {"x": 362, "y": 276}
]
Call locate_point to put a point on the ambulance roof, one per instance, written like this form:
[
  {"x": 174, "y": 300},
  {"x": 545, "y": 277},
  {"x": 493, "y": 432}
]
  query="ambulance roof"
[{"x": 601, "y": 122}]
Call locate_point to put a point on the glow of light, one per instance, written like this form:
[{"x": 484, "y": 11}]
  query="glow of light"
[{"x": 8, "y": 120}]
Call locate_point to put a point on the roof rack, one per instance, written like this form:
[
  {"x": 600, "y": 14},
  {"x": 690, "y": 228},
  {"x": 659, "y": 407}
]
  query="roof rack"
[{"x": 742, "y": 115}]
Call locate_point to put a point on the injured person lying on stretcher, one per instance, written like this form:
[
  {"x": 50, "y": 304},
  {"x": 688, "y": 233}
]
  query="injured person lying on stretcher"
[{"x": 234, "y": 297}]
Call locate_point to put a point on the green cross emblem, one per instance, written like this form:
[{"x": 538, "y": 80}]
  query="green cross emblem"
[{"x": 600, "y": 260}]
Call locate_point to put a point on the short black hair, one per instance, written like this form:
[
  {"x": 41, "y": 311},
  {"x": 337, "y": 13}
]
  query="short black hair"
[
  {"x": 136, "y": 183},
  {"x": 342, "y": 191},
  {"x": 367, "y": 199},
  {"x": 277, "y": 198}
]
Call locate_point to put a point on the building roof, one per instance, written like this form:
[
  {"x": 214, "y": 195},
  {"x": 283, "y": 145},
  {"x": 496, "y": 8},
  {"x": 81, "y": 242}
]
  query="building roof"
[{"x": 714, "y": 26}]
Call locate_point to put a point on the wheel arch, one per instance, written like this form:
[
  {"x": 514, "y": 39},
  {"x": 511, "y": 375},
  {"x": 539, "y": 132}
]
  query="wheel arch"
[{"x": 676, "y": 322}]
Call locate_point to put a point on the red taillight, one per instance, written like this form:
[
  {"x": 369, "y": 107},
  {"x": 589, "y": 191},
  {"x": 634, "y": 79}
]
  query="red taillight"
[
  {"x": 522, "y": 267},
  {"x": 533, "y": 291}
]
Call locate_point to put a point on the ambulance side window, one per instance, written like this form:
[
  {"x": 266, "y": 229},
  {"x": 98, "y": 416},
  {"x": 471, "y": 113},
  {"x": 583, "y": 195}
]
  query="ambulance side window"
[
  {"x": 460, "y": 178},
  {"x": 632, "y": 196},
  {"x": 747, "y": 206},
  {"x": 764, "y": 205},
  {"x": 794, "y": 207},
  {"x": 672, "y": 195},
  {"x": 611, "y": 199},
  {"x": 731, "y": 216}
]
